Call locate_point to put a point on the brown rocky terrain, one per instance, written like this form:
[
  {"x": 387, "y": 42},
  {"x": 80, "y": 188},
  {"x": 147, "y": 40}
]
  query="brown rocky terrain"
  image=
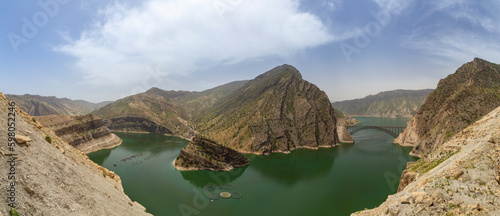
[
  {"x": 51, "y": 177},
  {"x": 277, "y": 111},
  {"x": 205, "y": 154},
  {"x": 88, "y": 133},
  {"x": 460, "y": 177},
  {"x": 458, "y": 101}
]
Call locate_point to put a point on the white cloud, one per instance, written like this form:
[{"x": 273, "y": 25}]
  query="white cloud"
[
  {"x": 180, "y": 36},
  {"x": 482, "y": 14},
  {"x": 458, "y": 45},
  {"x": 394, "y": 6},
  {"x": 471, "y": 30},
  {"x": 332, "y": 4}
]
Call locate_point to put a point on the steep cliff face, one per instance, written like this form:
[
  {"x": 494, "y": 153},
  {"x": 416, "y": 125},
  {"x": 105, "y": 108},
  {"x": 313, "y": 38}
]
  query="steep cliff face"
[
  {"x": 54, "y": 178},
  {"x": 460, "y": 177},
  {"x": 88, "y": 133},
  {"x": 278, "y": 111},
  {"x": 36, "y": 105},
  {"x": 205, "y": 154},
  {"x": 397, "y": 103},
  {"x": 458, "y": 101}
]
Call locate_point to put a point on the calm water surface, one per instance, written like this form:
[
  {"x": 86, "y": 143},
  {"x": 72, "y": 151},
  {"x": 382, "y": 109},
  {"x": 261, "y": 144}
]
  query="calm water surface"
[{"x": 329, "y": 181}]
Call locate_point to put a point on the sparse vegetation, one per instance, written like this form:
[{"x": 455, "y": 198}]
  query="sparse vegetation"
[
  {"x": 48, "y": 139},
  {"x": 13, "y": 212},
  {"x": 423, "y": 165}
]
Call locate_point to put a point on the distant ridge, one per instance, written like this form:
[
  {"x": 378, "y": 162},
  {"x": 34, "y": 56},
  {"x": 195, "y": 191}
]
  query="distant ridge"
[
  {"x": 36, "y": 105},
  {"x": 396, "y": 103}
]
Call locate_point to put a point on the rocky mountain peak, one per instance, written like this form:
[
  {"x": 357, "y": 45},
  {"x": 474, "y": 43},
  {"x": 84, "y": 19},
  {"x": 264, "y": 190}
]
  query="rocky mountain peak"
[
  {"x": 281, "y": 71},
  {"x": 166, "y": 94}
]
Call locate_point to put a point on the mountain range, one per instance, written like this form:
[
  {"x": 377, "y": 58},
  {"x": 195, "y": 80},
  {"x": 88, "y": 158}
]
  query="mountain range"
[
  {"x": 396, "y": 103},
  {"x": 36, "y": 105},
  {"x": 277, "y": 111}
]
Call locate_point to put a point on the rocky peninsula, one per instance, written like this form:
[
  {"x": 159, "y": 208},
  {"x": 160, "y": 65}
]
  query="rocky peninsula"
[{"x": 205, "y": 154}]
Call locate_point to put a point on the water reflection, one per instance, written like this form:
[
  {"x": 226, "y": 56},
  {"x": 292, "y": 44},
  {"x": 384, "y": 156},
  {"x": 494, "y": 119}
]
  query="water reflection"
[
  {"x": 288, "y": 169},
  {"x": 200, "y": 178},
  {"x": 99, "y": 156},
  {"x": 151, "y": 143}
]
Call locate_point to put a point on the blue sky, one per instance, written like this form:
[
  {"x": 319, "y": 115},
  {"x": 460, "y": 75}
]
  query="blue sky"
[{"x": 104, "y": 50}]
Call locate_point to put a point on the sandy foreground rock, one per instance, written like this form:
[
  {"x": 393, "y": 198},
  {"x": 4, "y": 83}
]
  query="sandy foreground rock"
[
  {"x": 55, "y": 178},
  {"x": 462, "y": 177}
]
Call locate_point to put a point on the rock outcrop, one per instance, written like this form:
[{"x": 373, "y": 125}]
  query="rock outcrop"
[
  {"x": 397, "y": 103},
  {"x": 277, "y": 111},
  {"x": 343, "y": 122},
  {"x": 87, "y": 133},
  {"x": 51, "y": 177},
  {"x": 458, "y": 101},
  {"x": 344, "y": 135},
  {"x": 205, "y": 154},
  {"x": 460, "y": 177}
]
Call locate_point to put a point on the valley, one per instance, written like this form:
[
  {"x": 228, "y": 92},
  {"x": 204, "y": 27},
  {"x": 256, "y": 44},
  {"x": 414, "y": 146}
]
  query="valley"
[{"x": 276, "y": 135}]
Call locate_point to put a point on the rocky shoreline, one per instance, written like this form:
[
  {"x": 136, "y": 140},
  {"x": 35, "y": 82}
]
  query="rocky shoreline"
[
  {"x": 108, "y": 142},
  {"x": 87, "y": 133},
  {"x": 462, "y": 177}
]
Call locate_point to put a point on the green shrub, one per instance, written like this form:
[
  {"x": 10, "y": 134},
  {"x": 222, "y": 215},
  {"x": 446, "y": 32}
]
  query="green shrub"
[
  {"x": 13, "y": 212},
  {"x": 448, "y": 135},
  {"x": 48, "y": 139}
]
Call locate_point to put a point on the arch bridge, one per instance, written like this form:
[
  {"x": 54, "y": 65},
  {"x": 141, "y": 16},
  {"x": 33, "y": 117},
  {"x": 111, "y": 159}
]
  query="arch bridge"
[{"x": 391, "y": 130}]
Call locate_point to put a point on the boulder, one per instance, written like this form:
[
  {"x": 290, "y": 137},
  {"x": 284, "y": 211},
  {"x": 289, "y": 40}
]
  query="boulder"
[
  {"x": 22, "y": 139},
  {"x": 393, "y": 209}
]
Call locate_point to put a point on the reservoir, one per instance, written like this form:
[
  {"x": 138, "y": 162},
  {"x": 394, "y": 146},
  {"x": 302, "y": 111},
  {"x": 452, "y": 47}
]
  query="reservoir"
[{"x": 329, "y": 181}]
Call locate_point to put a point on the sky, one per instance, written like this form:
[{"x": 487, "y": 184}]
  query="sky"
[{"x": 105, "y": 50}]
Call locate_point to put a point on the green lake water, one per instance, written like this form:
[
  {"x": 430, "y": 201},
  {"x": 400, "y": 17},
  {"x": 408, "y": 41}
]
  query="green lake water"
[{"x": 329, "y": 181}]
